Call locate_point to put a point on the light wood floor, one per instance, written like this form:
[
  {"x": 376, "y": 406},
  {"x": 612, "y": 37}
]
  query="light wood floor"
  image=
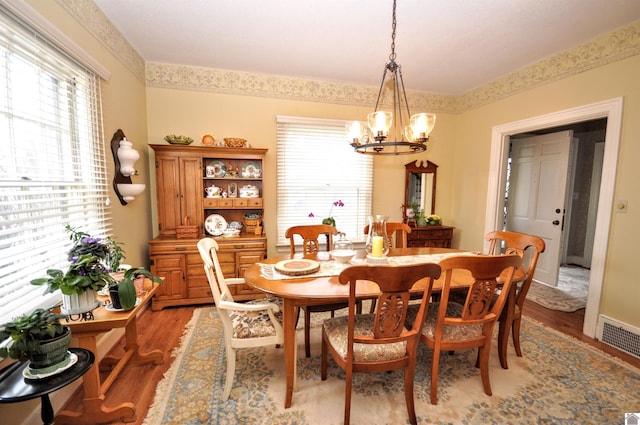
[{"x": 163, "y": 330}]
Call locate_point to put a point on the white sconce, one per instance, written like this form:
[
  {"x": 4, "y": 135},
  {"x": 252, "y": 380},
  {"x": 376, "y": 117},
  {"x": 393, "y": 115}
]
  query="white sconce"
[
  {"x": 124, "y": 157},
  {"x": 130, "y": 191},
  {"x": 128, "y": 157}
]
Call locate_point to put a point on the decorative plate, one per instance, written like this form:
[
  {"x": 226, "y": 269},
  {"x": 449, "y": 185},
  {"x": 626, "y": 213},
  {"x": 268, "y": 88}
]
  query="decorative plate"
[
  {"x": 219, "y": 169},
  {"x": 215, "y": 224},
  {"x": 297, "y": 267},
  {"x": 110, "y": 307},
  {"x": 69, "y": 360},
  {"x": 251, "y": 169},
  {"x": 208, "y": 140}
]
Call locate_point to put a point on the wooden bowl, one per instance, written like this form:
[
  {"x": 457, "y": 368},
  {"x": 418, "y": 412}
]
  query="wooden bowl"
[{"x": 234, "y": 142}]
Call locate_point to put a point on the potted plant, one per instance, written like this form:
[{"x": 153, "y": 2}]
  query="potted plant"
[
  {"x": 38, "y": 337},
  {"x": 91, "y": 262},
  {"x": 124, "y": 294}
]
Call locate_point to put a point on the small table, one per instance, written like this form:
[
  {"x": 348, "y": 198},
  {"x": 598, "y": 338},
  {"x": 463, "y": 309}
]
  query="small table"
[
  {"x": 14, "y": 387},
  {"x": 94, "y": 390}
]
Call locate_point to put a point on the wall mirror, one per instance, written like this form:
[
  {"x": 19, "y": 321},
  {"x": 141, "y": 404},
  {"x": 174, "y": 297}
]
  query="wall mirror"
[{"x": 420, "y": 186}]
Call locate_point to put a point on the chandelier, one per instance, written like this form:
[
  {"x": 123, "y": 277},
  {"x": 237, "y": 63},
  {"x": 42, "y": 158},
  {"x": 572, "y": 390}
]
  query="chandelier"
[{"x": 397, "y": 132}]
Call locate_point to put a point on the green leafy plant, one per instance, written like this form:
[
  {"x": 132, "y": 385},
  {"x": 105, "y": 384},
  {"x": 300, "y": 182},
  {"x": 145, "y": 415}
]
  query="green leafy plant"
[
  {"x": 126, "y": 288},
  {"x": 106, "y": 249},
  {"x": 27, "y": 331},
  {"x": 85, "y": 272},
  {"x": 91, "y": 260}
]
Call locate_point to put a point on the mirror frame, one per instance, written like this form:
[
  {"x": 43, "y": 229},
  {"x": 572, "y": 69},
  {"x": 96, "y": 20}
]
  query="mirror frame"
[{"x": 419, "y": 168}]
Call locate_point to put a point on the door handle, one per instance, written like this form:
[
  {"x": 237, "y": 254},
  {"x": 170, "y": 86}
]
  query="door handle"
[{"x": 555, "y": 222}]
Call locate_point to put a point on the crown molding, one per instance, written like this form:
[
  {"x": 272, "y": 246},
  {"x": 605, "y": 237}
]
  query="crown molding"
[
  {"x": 611, "y": 47},
  {"x": 96, "y": 22}
]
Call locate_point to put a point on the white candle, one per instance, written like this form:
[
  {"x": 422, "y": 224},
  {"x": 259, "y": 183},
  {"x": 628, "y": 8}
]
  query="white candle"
[{"x": 376, "y": 246}]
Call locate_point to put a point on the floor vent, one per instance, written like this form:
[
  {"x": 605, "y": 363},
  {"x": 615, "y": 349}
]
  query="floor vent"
[{"x": 619, "y": 335}]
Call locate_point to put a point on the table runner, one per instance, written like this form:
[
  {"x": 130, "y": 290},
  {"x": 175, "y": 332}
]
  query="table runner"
[{"x": 334, "y": 268}]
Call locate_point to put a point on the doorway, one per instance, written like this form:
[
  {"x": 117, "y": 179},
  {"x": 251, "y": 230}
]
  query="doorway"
[
  {"x": 562, "y": 212},
  {"x": 500, "y": 142}
]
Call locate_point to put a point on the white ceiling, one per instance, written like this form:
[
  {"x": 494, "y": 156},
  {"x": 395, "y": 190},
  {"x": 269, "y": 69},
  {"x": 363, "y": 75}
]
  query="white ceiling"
[{"x": 443, "y": 46}]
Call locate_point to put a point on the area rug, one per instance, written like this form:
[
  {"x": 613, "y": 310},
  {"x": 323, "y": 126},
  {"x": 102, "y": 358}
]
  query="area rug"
[
  {"x": 559, "y": 381},
  {"x": 570, "y": 294}
]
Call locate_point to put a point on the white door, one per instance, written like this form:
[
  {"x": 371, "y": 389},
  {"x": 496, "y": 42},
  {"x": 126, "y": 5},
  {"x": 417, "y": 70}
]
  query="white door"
[{"x": 536, "y": 197}]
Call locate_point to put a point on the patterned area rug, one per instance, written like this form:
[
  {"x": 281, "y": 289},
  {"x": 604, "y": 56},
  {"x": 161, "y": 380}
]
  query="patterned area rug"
[
  {"x": 570, "y": 294},
  {"x": 559, "y": 381}
]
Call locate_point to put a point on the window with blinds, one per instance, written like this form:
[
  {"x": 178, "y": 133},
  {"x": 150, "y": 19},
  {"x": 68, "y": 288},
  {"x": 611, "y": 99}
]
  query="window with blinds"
[
  {"x": 316, "y": 168},
  {"x": 53, "y": 168}
]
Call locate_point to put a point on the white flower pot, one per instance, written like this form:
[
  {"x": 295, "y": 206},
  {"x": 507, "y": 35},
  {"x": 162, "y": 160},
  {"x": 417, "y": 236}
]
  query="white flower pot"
[{"x": 79, "y": 303}]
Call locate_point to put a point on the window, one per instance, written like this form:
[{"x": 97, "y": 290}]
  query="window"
[
  {"x": 317, "y": 167},
  {"x": 53, "y": 168}
]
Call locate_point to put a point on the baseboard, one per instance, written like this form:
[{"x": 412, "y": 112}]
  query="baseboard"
[{"x": 619, "y": 335}]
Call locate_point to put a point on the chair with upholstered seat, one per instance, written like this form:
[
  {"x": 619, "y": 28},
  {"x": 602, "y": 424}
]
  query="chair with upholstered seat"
[
  {"x": 309, "y": 235},
  {"x": 379, "y": 342},
  {"x": 253, "y": 324},
  {"x": 529, "y": 248},
  {"x": 453, "y": 326}
]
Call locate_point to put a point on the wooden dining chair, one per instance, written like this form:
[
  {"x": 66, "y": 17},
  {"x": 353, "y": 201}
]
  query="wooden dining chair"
[
  {"x": 453, "y": 326},
  {"x": 380, "y": 341},
  {"x": 529, "y": 248},
  {"x": 397, "y": 233},
  {"x": 309, "y": 236},
  {"x": 255, "y": 323}
]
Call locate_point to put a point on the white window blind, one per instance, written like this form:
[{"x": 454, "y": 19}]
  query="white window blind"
[
  {"x": 316, "y": 167},
  {"x": 53, "y": 168}
]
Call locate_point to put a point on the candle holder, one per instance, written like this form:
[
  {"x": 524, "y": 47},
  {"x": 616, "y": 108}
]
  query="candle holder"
[
  {"x": 377, "y": 260},
  {"x": 377, "y": 244}
]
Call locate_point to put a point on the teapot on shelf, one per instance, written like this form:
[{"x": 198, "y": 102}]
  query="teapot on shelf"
[{"x": 213, "y": 191}]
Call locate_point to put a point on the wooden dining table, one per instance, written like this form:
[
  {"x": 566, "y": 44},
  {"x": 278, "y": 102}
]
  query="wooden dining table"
[{"x": 299, "y": 291}]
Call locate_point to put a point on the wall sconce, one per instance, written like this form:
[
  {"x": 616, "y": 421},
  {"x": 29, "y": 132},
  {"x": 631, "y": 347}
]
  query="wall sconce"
[{"x": 124, "y": 157}]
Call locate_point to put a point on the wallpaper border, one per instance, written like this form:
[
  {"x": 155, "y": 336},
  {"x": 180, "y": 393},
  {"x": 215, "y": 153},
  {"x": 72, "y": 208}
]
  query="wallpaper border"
[{"x": 611, "y": 47}]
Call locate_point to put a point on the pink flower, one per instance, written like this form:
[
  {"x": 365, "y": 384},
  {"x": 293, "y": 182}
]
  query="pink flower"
[{"x": 337, "y": 203}]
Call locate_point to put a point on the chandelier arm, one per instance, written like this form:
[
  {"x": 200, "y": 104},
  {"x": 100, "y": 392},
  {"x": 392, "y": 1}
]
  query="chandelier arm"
[
  {"x": 384, "y": 75},
  {"x": 404, "y": 92}
]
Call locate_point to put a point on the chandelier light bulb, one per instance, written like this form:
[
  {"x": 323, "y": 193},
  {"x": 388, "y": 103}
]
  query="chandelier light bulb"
[
  {"x": 422, "y": 125},
  {"x": 380, "y": 123},
  {"x": 356, "y": 131}
]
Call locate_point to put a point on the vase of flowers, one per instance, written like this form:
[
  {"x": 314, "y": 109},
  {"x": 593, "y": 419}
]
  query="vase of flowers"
[
  {"x": 433, "y": 220},
  {"x": 329, "y": 219},
  {"x": 91, "y": 261}
]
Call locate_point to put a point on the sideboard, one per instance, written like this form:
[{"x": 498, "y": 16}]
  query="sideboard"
[{"x": 430, "y": 236}]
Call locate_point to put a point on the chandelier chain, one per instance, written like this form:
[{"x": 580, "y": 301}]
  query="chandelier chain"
[{"x": 392, "y": 56}]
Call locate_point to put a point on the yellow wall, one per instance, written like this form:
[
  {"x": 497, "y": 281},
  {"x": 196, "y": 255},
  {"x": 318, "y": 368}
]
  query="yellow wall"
[
  {"x": 195, "y": 113},
  {"x": 620, "y": 289}
]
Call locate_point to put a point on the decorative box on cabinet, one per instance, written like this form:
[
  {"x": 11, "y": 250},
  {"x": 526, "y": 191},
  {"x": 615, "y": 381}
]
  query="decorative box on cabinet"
[{"x": 430, "y": 236}]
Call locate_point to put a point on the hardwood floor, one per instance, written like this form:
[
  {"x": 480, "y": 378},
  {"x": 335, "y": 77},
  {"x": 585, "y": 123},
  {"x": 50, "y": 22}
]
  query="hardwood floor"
[{"x": 163, "y": 330}]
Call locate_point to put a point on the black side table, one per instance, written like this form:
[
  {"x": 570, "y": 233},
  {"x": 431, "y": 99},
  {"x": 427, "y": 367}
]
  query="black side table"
[{"x": 14, "y": 387}]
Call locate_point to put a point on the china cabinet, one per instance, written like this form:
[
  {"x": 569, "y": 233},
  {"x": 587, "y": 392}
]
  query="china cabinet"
[{"x": 218, "y": 189}]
